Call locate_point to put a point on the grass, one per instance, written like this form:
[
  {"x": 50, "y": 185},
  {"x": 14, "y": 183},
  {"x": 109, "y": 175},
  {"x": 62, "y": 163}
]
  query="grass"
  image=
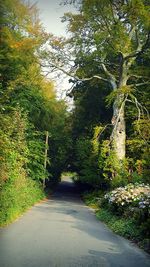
[{"x": 15, "y": 200}]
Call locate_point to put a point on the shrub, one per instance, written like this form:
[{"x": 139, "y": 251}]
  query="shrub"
[
  {"x": 87, "y": 163},
  {"x": 131, "y": 201},
  {"x": 133, "y": 194},
  {"x": 17, "y": 196},
  {"x": 17, "y": 190}
]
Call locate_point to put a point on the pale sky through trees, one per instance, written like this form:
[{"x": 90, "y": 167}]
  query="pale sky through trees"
[{"x": 50, "y": 12}]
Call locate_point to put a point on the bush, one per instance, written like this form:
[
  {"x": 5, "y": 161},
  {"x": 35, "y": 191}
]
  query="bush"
[
  {"x": 136, "y": 195},
  {"x": 131, "y": 219},
  {"x": 16, "y": 197},
  {"x": 131, "y": 201},
  {"x": 17, "y": 190}
]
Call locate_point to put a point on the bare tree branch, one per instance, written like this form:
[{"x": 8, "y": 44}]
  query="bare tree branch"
[
  {"x": 139, "y": 106},
  {"x": 105, "y": 127},
  {"x": 140, "y": 84},
  {"x": 73, "y": 75},
  {"x": 140, "y": 109},
  {"x": 138, "y": 76},
  {"x": 110, "y": 76}
]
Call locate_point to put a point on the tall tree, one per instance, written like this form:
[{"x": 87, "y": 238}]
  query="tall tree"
[{"x": 114, "y": 34}]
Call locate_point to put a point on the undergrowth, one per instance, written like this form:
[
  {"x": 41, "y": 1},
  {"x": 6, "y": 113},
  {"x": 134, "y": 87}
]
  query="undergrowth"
[
  {"x": 125, "y": 227},
  {"x": 17, "y": 198}
]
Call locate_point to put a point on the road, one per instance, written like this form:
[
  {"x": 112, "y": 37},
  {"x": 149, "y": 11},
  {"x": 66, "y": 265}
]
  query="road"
[{"x": 63, "y": 232}]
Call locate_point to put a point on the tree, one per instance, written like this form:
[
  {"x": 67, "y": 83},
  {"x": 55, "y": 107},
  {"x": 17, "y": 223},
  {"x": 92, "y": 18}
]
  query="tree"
[
  {"x": 21, "y": 37},
  {"x": 115, "y": 34},
  {"x": 28, "y": 109}
]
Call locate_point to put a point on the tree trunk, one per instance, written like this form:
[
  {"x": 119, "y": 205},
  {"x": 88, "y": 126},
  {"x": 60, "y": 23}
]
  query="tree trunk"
[
  {"x": 119, "y": 131},
  {"x": 118, "y": 136}
]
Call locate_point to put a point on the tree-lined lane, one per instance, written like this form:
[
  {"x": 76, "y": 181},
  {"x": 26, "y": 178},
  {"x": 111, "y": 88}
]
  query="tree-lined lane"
[{"x": 62, "y": 232}]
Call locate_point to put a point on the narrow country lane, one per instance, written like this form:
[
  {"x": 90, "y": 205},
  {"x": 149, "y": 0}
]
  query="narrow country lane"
[{"x": 63, "y": 232}]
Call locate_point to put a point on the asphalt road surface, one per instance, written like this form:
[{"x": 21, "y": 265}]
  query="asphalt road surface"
[{"x": 63, "y": 232}]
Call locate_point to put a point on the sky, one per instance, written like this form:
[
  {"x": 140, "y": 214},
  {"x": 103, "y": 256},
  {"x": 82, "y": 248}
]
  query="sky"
[{"x": 50, "y": 12}]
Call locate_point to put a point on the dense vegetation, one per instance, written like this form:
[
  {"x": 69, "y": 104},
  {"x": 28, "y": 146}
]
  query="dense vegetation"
[
  {"x": 105, "y": 45},
  {"x": 109, "y": 44},
  {"x": 107, "y": 57},
  {"x": 105, "y": 138},
  {"x": 28, "y": 109},
  {"x": 125, "y": 210},
  {"x": 110, "y": 121}
]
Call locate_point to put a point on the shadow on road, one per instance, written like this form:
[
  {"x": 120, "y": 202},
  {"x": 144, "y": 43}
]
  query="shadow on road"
[
  {"x": 67, "y": 190},
  {"x": 85, "y": 234},
  {"x": 62, "y": 232}
]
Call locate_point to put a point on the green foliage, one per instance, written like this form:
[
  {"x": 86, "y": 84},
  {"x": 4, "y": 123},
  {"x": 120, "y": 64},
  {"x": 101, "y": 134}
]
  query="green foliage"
[
  {"x": 36, "y": 148},
  {"x": 109, "y": 165},
  {"x": 59, "y": 142},
  {"x": 92, "y": 198},
  {"x": 131, "y": 201},
  {"x": 69, "y": 174},
  {"x": 139, "y": 160},
  {"x": 13, "y": 145},
  {"x": 90, "y": 109},
  {"x": 86, "y": 162},
  {"x": 110, "y": 34},
  {"x": 121, "y": 226},
  {"x": 16, "y": 196},
  {"x": 16, "y": 189},
  {"x": 126, "y": 90},
  {"x": 124, "y": 67},
  {"x": 28, "y": 108},
  {"x": 133, "y": 168}
]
